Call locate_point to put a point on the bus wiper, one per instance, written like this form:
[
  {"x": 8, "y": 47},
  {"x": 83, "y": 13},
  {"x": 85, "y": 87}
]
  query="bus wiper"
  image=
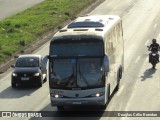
[
  {"x": 82, "y": 76},
  {"x": 67, "y": 80},
  {"x": 54, "y": 56}
]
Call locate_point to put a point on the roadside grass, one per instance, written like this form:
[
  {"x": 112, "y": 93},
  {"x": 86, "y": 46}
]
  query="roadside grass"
[{"x": 19, "y": 30}]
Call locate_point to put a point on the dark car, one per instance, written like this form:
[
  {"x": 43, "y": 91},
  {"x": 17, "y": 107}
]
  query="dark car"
[{"x": 27, "y": 70}]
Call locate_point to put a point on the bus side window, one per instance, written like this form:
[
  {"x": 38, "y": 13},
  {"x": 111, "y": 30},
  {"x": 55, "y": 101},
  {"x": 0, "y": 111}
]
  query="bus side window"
[
  {"x": 109, "y": 44},
  {"x": 119, "y": 31},
  {"x": 116, "y": 35},
  {"x": 111, "y": 41}
]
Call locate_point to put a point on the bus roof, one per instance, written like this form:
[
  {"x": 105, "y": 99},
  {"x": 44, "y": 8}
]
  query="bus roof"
[{"x": 94, "y": 25}]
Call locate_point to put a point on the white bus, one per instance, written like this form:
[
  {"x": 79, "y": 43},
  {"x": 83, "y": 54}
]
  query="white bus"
[{"x": 86, "y": 61}]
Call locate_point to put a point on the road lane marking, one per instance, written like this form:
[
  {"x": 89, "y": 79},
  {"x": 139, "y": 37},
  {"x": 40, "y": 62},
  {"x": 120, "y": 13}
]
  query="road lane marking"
[
  {"x": 5, "y": 77},
  {"x": 120, "y": 91},
  {"x": 42, "y": 49},
  {"x": 42, "y": 105},
  {"x": 45, "y": 37},
  {"x": 147, "y": 59},
  {"x": 138, "y": 58},
  {"x": 158, "y": 37},
  {"x": 155, "y": 25},
  {"x": 146, "y": 43}
]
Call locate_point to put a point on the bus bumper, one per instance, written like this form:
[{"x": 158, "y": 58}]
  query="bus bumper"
[{"x": 96, "y": 101}]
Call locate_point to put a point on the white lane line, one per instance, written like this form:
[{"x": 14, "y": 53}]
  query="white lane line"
[
  {"x": 5, "y": 77},
  {"x": 158, "y": 38},
  {"x": 43, "y": 48},
  {"x": 155, "y": 25},
  {"x": 147, "y": 59},
  {"x": 45, "y": 37},
  {"x": 42, "y": 105},
  {"x": 120, "y": 91},
  {"x": 138, "y": 58},
  {"x": 146, "y": 43}
]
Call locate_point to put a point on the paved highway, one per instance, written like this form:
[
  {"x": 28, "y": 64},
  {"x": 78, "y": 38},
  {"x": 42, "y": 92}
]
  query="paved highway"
[
  {"x": 11, "y": 7},
  {"x": 139, "y": 88}
]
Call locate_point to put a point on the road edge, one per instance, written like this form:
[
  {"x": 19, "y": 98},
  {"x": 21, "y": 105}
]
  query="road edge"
[{"x": 29, "y": 49}]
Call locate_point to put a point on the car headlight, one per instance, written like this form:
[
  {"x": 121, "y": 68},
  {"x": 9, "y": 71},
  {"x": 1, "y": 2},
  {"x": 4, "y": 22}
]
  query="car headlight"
[
  {"x": 36, "y": 74},
  {"x": 56, "y": 95},
  {"x": 14, "y": 74}
]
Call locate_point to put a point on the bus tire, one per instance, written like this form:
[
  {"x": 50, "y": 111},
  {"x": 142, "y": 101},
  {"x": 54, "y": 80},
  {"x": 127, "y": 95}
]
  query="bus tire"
[
  {"x": 108, "y": 93},
  {"x": 104, "y": 106},
  {"x": 119, "y": 76},
  {"x": 120, "y": 72}
]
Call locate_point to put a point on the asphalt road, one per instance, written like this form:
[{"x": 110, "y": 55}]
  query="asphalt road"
[
  {"x": 139, "y": 88},
  {"x": 11, "y": 7}
]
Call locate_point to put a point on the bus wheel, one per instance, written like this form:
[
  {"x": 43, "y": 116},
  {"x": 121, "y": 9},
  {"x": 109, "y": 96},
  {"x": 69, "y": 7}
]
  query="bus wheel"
[
  {"x": 45, "y": 80},
  {"x": 60, "y": 108},
  {"x": 104, "y": 106},
  {"x": 120, "y": 72},
  {"x": 108, "y": 93},
  {"x": 119, "y": 76}
]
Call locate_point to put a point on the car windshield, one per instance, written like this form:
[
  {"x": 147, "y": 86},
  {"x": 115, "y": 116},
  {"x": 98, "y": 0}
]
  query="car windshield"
[
  {"x": 71, "y": 73},
  {"x": 27, "y": 62}
]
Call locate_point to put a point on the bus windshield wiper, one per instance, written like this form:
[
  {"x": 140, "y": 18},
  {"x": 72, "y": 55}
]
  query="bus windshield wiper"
[
  {"x": 82, "y": 76},
  {"x": 69, "y": 80},
  {"x": 65, "y": 80}
]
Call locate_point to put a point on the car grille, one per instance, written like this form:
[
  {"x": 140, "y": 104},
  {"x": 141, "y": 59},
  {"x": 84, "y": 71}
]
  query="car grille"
[{"x": 25, "y": 74}]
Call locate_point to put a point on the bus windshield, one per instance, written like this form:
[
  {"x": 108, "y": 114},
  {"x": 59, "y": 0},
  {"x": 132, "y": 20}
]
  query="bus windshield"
[
  {"x": 80, "y": 72},
  {"x": 77, "y": 49}
]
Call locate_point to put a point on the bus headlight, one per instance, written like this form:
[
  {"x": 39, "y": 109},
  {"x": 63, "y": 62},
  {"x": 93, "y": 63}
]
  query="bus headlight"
[
  {"x": 14, "y": 74},
  {"x": 97, "y": 95},
  {"x": 36, "y": 74}
]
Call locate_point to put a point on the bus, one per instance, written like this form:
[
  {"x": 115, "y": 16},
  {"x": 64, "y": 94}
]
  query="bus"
[{"x": 86, "y": 61}]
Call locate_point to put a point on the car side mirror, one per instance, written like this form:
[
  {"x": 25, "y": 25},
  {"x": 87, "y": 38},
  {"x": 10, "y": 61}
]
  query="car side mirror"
[
  {"x": 40, "y": 67},
  {"x": 44, "y": 63},
  {"x": 13, "y": 66}
]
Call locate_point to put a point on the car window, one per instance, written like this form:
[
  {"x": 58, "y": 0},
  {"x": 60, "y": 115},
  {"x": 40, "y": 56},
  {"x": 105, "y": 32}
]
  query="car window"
[{"x": 27, "y": 62}]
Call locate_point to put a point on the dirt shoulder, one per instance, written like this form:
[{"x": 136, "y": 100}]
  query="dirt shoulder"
[{"x": 43, "y": 39}]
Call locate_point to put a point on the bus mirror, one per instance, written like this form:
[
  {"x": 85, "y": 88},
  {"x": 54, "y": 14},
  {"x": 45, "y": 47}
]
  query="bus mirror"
[
  {"x": 106, "y": 64},
  {"x": 44, "y": 63}
]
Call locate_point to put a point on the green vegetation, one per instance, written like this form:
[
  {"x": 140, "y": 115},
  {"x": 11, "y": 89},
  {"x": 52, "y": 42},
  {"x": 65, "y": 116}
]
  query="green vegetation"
[{"x": 23, "y": 28}]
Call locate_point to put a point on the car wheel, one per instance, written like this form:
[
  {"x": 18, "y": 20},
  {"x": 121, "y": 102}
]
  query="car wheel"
[
  {"x": 40, "y": 83},
  {"x": 13, "y": 84},
  {"x": 45, "y": 79},
  {"x": 60, "y": 108}
]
